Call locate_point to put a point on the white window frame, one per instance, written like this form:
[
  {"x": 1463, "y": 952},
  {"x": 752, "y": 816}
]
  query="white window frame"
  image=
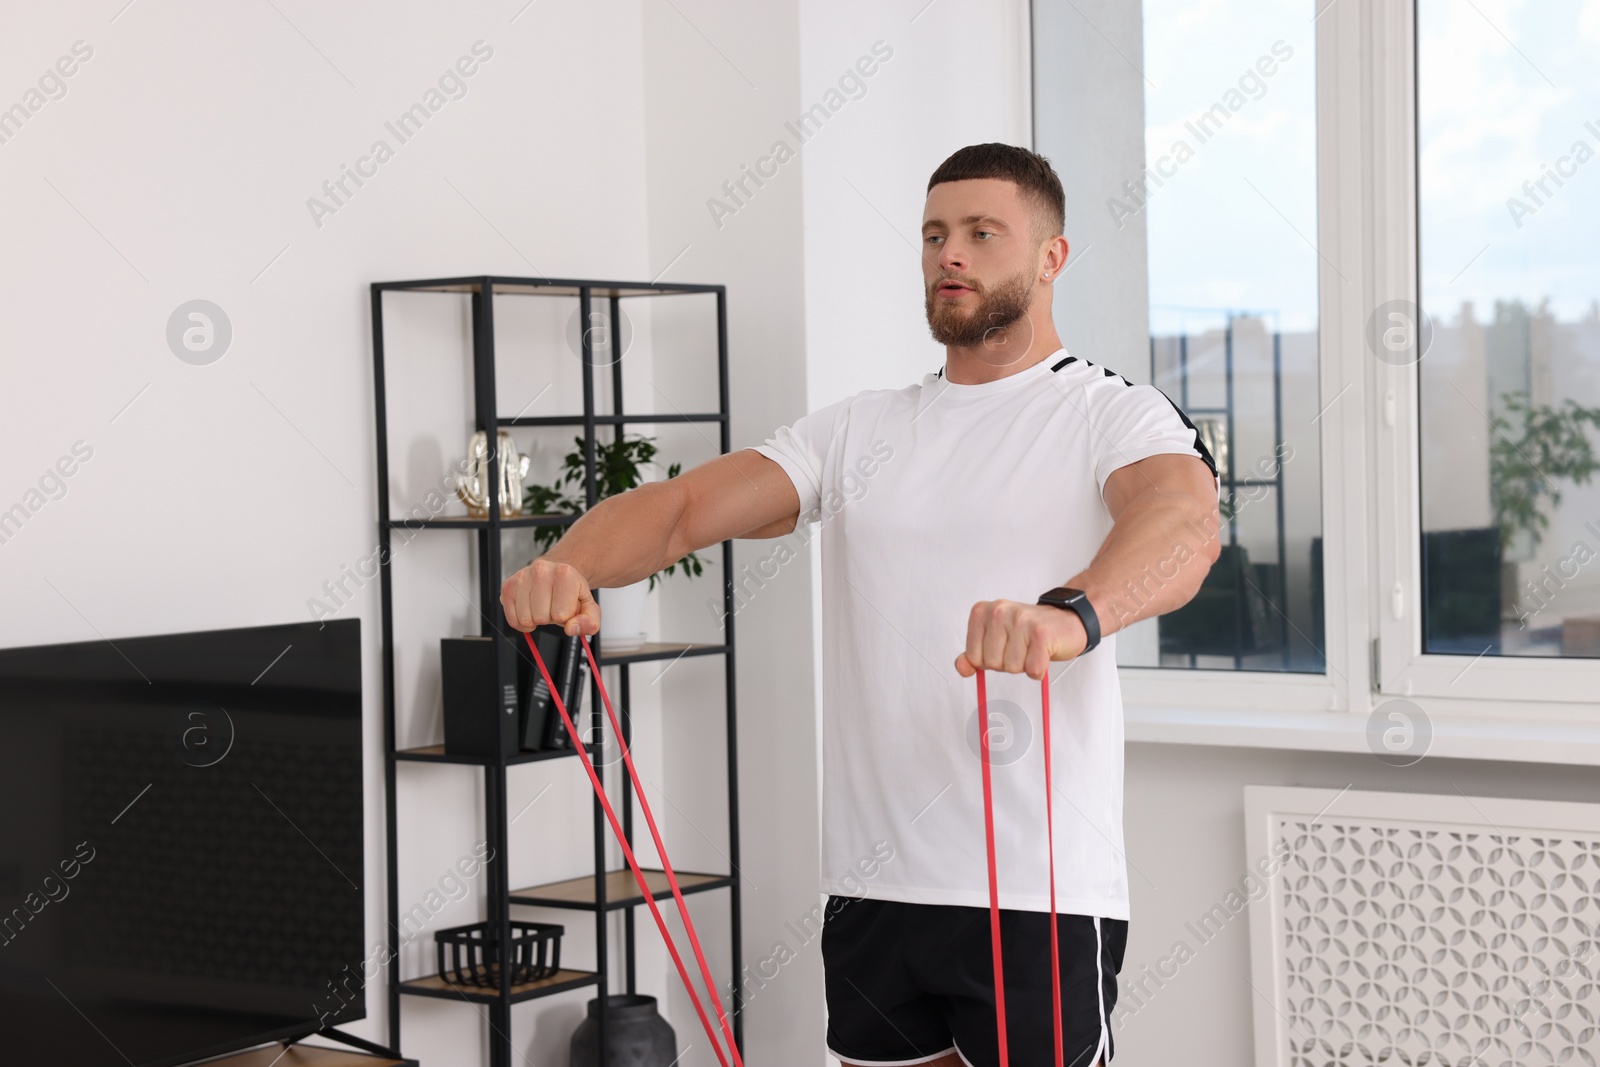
[
  {"x": 1517, "y": 707},
  {"x": 1344, "y": 685},
  {"x": 1499, "y": 686}
]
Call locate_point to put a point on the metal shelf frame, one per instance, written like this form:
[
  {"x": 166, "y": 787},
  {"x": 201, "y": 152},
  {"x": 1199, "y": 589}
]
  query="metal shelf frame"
[{"x": 601, "y": 898}]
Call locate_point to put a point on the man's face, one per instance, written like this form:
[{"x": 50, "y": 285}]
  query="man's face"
[{"x": 979, "y": 260}]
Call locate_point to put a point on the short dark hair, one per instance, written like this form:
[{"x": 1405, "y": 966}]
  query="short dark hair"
[{"x": 1030, "y": 171}]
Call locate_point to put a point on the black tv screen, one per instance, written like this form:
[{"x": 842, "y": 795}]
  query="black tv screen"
[{"x": 181, "y": 844}]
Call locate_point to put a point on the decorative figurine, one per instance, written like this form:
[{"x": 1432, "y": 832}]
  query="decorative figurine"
[{"x": 473, "y": 488}]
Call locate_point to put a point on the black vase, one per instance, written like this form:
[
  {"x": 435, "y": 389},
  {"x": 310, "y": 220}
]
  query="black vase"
[{"x": 635, "y": 1035}]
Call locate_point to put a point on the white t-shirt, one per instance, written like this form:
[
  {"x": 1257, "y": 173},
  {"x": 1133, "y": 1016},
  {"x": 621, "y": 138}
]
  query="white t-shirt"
[{"x": 932, "y": 498}]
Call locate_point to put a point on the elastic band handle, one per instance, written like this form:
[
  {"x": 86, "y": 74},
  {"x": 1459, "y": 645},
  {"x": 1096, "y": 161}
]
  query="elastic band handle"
[{"x": 627, "y": 851}]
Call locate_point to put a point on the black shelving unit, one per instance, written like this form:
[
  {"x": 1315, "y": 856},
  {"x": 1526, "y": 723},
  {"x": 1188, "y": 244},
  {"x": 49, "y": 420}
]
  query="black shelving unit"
[{"x": 606, "y": 890}]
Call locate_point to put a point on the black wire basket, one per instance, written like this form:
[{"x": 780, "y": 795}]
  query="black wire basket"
[{"x": 469, "y": 955}]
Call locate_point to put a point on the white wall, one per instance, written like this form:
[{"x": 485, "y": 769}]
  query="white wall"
[
  {"x": 957, "y": 76},
  {"x": 720, "y": 81},
  {"x": 190, "y": 142},
  {"x": 717, "y": 106},
  {"x": 178, "y": 165},
  {"x": 1089, "y": 122}
]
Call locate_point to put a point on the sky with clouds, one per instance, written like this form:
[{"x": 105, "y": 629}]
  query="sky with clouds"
[
  {"x": 1505, "y": 90},
  {"x": 1230, "y": 229}
]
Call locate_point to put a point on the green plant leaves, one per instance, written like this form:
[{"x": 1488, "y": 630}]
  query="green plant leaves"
[
  {"x": 1532, "y": 446},
  {"x": 616, "y": 471}
]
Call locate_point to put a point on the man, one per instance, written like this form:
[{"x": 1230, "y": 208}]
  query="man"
[{"x": 955, "y": 503}]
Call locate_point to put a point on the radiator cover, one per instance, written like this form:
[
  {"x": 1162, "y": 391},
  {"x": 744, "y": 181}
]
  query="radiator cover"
[{"x": 1409, "y": 929}]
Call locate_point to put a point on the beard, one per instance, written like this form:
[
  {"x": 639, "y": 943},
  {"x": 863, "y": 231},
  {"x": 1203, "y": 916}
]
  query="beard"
[{"x": 993, "y": 310}]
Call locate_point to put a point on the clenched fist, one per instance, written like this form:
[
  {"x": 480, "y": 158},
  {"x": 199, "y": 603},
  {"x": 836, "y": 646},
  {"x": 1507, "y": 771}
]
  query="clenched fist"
[
  {"x": 545, "y": 593},
  {"x": 1006, "y": 635}
]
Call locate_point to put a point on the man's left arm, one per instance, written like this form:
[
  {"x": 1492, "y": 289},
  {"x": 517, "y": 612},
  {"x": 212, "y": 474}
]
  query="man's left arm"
[{"x": 1163, "y": 540}]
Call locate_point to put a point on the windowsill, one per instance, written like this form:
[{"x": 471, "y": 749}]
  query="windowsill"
[{"x": 1454, "y": 737}]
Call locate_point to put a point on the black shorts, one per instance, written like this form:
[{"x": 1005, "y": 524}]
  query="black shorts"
[{"x": 908, "y": 983}]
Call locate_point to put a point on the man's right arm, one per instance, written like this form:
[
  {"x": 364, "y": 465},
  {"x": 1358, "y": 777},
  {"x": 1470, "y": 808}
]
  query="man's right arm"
[{"x": 630, "y": 536}]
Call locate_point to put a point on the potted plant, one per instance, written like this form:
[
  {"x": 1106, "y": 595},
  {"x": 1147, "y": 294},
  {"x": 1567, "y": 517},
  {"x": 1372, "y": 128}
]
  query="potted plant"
[
  {"x": 1534, "y": 446},
  {"x": 616, "y": 468}
]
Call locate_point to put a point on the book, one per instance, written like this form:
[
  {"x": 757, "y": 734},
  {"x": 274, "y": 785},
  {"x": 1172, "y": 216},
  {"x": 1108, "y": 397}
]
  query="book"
[
  {"x": 579, "y": 685},
  {"x": 567, "y": 680},
  {"x": 538, "y": 710}
]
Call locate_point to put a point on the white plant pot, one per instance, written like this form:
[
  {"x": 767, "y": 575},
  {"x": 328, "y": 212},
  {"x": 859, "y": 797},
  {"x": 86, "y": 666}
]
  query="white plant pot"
[{"x": 622, "y": 616}]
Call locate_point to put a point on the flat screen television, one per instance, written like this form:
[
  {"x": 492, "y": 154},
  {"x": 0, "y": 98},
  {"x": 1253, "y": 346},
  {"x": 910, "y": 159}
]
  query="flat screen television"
[{"x": 181, "y": 844}]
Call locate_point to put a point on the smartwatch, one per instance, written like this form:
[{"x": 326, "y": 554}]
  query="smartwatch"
[{"x": 1075, "y": 600}]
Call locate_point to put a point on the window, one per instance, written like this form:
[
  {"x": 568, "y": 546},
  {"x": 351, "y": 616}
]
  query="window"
[
  {"x": 1508, "y": 126},
  {"x": 1362, "y": 244},
  {"x": 1229, "y": 196}
]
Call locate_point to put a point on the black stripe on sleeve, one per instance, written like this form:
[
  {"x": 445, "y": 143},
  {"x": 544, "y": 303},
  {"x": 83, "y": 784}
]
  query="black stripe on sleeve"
[{"x": 1199, "y": 445}]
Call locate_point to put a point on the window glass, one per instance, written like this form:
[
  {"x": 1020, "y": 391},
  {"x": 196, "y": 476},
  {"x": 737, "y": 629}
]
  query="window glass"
[
  {"x": 1229, "y": 198},
  {"x": 1508, "y": 341}
]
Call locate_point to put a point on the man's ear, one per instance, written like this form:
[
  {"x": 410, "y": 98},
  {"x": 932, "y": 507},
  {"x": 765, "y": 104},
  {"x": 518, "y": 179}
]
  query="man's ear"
[{"x": 1055, "y": 260}]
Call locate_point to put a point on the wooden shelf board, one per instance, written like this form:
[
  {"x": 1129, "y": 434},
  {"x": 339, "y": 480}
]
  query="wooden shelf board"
[
  {"x": 437, "y": 986},
  {"x": 468, "y": 522},
  {"x": 648, "y": 418},
  {"x": 544, "y": 286},
  {"x": 437, "y": 754},
  {"x": 621, "y": 890},
  {"x": 654, "y": 650}
]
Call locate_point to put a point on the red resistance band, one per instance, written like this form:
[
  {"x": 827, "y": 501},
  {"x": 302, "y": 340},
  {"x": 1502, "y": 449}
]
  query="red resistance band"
[
  {"x": 661, "y": 850},
  {"x": 994, "y": 891},
  {"x": 683, "y": 909}
]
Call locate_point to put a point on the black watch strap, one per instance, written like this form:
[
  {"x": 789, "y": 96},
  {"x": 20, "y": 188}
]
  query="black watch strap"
[{"x": 1075, "y": 600}]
